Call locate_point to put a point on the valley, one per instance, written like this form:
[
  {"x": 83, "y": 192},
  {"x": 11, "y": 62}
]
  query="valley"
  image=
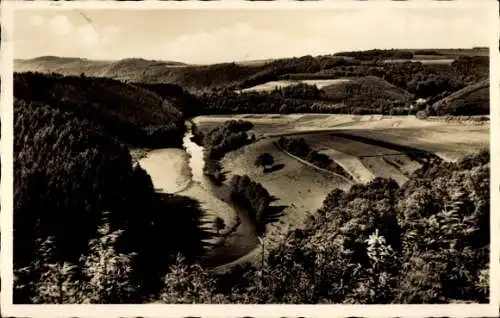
[{"x": 228, "y": 180}]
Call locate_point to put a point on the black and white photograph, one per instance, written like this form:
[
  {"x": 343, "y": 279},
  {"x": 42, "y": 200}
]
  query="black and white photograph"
[{"x": 201, "y": 154}]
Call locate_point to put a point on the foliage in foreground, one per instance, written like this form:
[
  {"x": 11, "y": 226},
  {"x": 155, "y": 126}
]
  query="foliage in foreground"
[
  {"x": 86, "y": 219},
  {"x": 427, "y": 242}
]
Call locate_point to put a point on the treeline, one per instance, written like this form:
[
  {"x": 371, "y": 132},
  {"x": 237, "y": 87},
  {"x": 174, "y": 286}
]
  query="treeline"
[
  {"x": 135, "y": 115},
  {"x": 300, "y": 148},
  {"x": 370, "y": 55},
  {"x": 254, "y": 198},
  {"x": 226, "y": 137},
  {"x": 361, "y": 96},
  {"x": 392, "y": 95},
  {"x": 305, "y": 64},
  {"x": 86, "y": 219},
  {"x": 426, "y": 242}
]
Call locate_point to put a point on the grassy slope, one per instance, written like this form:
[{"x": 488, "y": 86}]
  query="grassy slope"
[{"x": 310, "y": 186}]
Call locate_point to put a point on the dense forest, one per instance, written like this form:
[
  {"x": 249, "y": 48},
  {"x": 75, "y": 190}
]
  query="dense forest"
[
  {"x": 85, "y": 218},
  {"x": 255, "y": 198},
  {"x": 137, "y": 116},
  {"x": 376, "y": 88}
]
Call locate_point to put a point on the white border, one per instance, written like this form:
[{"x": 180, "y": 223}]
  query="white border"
[{"x": 6, "y": 143}]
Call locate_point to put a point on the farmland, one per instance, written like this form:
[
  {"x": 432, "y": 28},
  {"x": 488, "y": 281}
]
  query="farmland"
[
  {"x": 272, "y": 85},
  {"x": 310, "y": 186},
  {"x": 365, "y": 146}
]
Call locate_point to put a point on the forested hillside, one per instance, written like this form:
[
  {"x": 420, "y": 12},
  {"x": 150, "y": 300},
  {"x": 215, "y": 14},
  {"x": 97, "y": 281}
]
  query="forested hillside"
[
  {"x": 426, "y": 242},
  {"x": 85, "y": 219},
  {"x": 380, "y": 81},
  {"x": 134, "y": 115}
]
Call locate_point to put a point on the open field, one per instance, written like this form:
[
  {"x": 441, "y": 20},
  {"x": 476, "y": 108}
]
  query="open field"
[
  {"x": 272, "y": 85},
  {"x": 449, "y": 140},
  {"x": 273, "y": 125},
  {"x": 350, "y": 163},
  {"x": 297, "y": 186},
  {"x": 364, "y": 160},
  {"x": 423, "y": 61},
  {"x": 365, "y": 146}
]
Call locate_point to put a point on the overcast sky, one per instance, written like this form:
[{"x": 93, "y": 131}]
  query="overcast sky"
[{"x": 211, "y": 36}]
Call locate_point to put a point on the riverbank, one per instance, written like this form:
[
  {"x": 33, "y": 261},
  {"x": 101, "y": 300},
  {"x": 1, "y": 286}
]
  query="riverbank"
[
  {"x": 180, "y": 171},
  {"x": 168, "y": 168}
]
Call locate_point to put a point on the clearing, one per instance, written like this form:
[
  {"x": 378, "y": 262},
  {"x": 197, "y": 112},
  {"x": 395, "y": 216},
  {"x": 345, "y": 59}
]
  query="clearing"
[
  {"x": 363, "y": 160},
  {"x": 298, "y": 187},
  {"x": 272, "y": 85}
]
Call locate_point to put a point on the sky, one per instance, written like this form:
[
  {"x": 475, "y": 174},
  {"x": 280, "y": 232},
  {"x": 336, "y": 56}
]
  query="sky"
[{"x": 214, "y": 36}]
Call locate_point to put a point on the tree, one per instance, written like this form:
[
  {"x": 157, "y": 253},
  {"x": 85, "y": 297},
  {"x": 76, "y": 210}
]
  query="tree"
[
  {"x": 219, "y": 224},
  {"x": 109, "y": 272},
  {"x": 264, "y": 160}
]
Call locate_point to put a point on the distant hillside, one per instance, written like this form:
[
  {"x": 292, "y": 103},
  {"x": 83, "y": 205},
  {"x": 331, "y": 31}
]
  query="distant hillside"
[
  {"x": 191, "y": 77},
  {"x": 361, "y": 95},
  {"x": 471, "y": 100},
  {"x": 194, "y": 78},
  {"x": 423, "y": 80},
  {"x": 135, "y": 115},
  {"x": 77, "y": 66},
  {"x": 414, "y": 53}
]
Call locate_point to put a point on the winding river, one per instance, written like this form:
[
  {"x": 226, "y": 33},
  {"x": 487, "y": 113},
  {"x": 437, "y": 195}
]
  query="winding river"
[{"x": 180, "y": 171}]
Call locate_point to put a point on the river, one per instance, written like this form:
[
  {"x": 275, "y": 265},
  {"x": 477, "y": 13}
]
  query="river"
[{"x": 180, "y": 171}]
